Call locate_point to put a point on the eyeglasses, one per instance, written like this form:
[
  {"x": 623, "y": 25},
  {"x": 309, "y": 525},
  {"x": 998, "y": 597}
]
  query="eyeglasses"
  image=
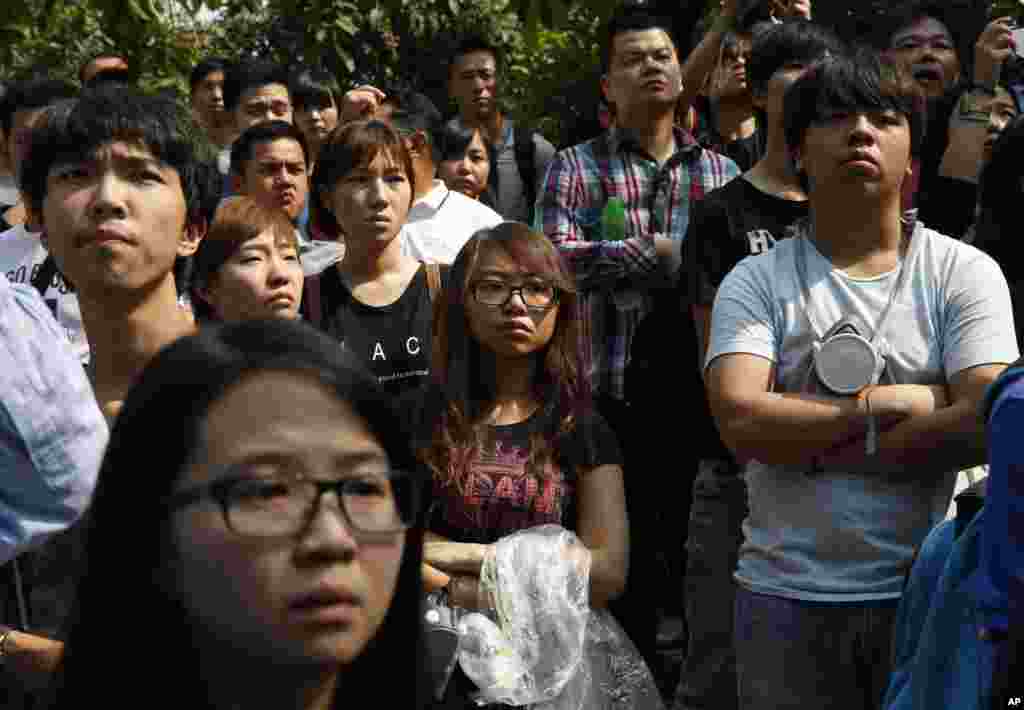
[
  {"x": 283, "y": 504},
  {"x": 536, "y": 294}
]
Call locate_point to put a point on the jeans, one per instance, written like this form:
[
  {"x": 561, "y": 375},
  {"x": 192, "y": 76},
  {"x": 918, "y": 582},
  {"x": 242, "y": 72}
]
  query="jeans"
[
  {"x": 708, "y": 676},
  {"x": 794, "y": 655}
]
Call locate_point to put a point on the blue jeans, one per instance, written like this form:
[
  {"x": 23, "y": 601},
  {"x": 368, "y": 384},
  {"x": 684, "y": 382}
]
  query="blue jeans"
[
  {"x": 795, "y": 655},
  {"x": 708, "y": 676}
]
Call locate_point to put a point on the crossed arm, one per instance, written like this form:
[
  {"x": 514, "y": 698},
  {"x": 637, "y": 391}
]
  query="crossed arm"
[{"x": 923, "y": 427}]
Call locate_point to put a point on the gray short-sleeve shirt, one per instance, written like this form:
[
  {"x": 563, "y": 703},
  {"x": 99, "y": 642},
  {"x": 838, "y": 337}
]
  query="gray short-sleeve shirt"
[{"x": 838, "y": 536}]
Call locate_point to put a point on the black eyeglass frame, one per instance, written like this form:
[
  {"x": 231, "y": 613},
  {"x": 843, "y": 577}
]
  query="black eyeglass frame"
[
  {"x": 219, "y": 491},
  {"x": 513, "y": 290}
]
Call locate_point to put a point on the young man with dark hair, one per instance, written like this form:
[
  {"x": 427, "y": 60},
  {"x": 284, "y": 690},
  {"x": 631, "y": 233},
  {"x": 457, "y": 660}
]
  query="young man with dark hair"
[
  {"x": 747, "y": 216},
  {"x": 846, "y": 368},
  {"x": 206, "y": 96},
  {"x": 474, "y": 77},
  {"x": 269, "y": 163},
  {"x": 617, "y": 207},
  {"x": 23, "y": 254},
  {"x": 440, "y": 220},
  {"x": 256, "y": 91},
  {"x": 111, "y": 180}
]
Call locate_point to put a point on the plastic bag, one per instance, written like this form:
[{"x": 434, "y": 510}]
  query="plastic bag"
[{"x": 542, "y": 645}]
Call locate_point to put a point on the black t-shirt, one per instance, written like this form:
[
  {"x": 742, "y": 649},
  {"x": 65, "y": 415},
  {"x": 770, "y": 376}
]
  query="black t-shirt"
[
  {"x": 499, "y": 496},
  {"x": 731, "y": 223},
  {"x": 393, "y": 341}
]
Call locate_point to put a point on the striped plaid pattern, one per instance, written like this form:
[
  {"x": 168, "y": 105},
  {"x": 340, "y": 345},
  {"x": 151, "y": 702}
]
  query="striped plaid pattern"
[{"x": 616, "y": 277}]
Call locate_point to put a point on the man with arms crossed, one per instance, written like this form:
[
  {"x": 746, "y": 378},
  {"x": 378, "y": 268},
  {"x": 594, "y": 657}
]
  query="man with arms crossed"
[{"x": 843, "y": 486}]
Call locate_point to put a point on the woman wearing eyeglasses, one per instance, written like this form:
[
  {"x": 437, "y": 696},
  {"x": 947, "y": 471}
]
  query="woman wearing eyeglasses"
[
  {"x": 510, "y": 436},
  {"x": 262, "y": 550}
]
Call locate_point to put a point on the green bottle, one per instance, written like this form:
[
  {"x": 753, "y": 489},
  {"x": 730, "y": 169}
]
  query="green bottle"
[{"x": 613, "y": 220}]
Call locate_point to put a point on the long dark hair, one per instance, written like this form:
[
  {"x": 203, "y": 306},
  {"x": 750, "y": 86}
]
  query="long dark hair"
[
  {"x": 123, "y": 603},
  {"x": 464, "y": 372}
]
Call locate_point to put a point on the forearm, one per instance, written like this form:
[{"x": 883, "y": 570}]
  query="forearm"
[
  {"x": 32, "y": 659},
  {"x": 453, "y": 557},
  {"x": 949, "y": 439},
  {"x": 607, "y": 577},
  {"x": 791, "y": 429},
  {"x": 602, "y": 264},
  {"x": 700, "y": 63}
]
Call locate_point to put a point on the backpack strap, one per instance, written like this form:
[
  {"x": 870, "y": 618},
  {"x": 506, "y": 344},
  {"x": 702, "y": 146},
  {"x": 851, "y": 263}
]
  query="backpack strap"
[
  {"x": 525, "y": 149},
  {"x": 311, "y": 301},
  {"x": 433, "y": 270}
]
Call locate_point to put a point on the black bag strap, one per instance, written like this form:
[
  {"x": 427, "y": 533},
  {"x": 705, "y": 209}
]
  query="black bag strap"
[
  {"x": 526, "y": 153},
  {"x": 44, "y": 277}
]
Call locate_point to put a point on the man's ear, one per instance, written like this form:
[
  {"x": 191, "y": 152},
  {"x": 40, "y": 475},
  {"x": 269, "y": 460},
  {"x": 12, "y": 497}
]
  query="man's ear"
[
  {"x": 235, "y": 182},
  {"x": 192, "y": 236}
]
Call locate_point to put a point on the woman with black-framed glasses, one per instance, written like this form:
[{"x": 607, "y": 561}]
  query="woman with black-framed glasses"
[
  {"x": 256, "y": 535},
  {"x": 508, "y": 430}
]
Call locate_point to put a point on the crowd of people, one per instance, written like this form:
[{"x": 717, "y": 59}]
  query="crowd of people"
[{"x": 456, "y": 418}]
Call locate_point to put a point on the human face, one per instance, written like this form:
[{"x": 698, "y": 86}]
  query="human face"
[
  {"x": 263, "y": 279},
  {"x": 314, "y": 599},
  {"x": 1001, "y": 111},
  {"x": 22, "y": 123},
  {"x": 264, "y": 103},
  {"x": 469, "y": 173},
  {"x": 473, "y": 83},
  {"x": 644, "y": 72},
  {"x": 316, "y": 120},
  {"x": 276, "y": 176},
  {"x": 372, "y": 202},
  {"x": 866, "y": 152},
  {"x": 926, "y": 49},
  {"x": 511, "y": 330},
  {"x": 730, "y": 79},
  {"x": 208, "y": 100},
  {"x": 116, "y": 220}
]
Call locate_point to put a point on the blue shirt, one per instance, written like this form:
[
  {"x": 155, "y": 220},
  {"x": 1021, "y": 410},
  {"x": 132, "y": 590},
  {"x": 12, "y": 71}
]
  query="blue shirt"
[{"x": 52, "y": 433}]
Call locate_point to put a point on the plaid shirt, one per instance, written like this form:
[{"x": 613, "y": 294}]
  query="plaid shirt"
[{"x": 616, "y": 277}]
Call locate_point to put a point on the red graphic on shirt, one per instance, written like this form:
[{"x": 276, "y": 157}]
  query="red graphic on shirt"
[{"x": 499, "y": 497}]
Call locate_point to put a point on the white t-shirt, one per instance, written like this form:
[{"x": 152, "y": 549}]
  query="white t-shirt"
[
  {"x": 838, "y": 536},
  {"x": 21, "y": 255},
  {"x": 8, "y": 190},
  {"x": 441, "y": 222}
]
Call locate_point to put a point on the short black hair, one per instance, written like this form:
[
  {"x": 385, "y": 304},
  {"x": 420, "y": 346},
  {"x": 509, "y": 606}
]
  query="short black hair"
[
  {"x": 310, "y": 87},
  {"x": 455, "y": 140},
  {"x": 74, "y": 130},
  {"x": 632, "y": 18},
  {"x": 474, "y": 43},
  {"x": 30, "y": 95},
  {"x": 206, "y": 67},
  {"x": 264, "y": 132},
  {"x": 248, "y": 75},
  {"x": 413, "y": 111},
  {"x": 860, "y": 81},
  {"x": 775, "y": 46}
]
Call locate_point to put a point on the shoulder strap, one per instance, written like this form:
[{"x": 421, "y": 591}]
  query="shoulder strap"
[
  {"x": 311, "y": 299},
  {"x": 526, "y": 151},
  {"x": 433, "y": 270}
]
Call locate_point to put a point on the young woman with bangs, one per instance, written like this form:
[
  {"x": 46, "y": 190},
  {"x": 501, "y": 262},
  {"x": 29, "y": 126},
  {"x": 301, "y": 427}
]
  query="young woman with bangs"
[
  {"x": 508, "y": 430},
  {"x": 247, "y": 267},
  {"x": 377, "y": 301}
]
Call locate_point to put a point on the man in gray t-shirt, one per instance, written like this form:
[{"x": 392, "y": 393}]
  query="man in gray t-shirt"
[
  {"x": 844, "y": 481},
  {"x": 473, "y": 75}
]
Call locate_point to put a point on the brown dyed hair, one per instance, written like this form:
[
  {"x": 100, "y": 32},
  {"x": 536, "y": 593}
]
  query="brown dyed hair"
[
  {"x": 237, "y": 220},
  {"x": 351, "y": 146},
  {"x": 464, "y": 371}
]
